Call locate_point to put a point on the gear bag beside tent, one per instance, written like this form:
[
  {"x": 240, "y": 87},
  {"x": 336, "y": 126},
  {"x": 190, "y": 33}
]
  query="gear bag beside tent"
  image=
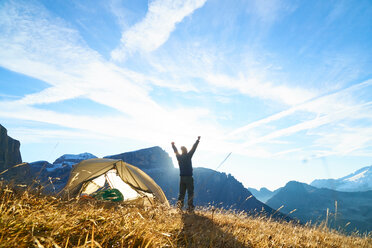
[{"x": 91, "y": 175}]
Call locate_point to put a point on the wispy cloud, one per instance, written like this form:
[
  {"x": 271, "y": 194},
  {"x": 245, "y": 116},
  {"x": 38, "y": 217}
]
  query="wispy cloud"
[
  {"x": 121, "y": 14},
  {"x": 155, "y": 28},
  {"x": 324, "y": 104},
  {"x": 34, "y": 43},
  {"x": 338, "y": 111},
  {"x": 334, "y": 117},
  {"x": 348, "y": 140},
  {"x": 254, "y": 86},
  {"x": 40, "y": 46},
  {"x": 34, "y": 135},
  {"x": 266, "y": 11},
  {"x": 7, "y": 96}
]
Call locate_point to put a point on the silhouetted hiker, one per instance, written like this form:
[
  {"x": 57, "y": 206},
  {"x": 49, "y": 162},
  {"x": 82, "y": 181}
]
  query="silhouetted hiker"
[{"x": 186, "y": 179}]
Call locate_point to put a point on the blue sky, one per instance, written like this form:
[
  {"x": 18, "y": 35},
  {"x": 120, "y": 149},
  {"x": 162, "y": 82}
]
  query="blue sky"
[{"x": 286, "y": 86}]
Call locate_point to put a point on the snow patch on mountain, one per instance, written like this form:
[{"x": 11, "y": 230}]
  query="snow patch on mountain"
[
  {"x": 360, "y": 180},
  {"x": 70, "y": 160},
  {"x": 73, "y": 157},
  {"x": 357, "y": 176}
]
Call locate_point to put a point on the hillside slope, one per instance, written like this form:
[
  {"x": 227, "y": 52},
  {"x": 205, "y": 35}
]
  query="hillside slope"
[{"x": 28, "y": 220}]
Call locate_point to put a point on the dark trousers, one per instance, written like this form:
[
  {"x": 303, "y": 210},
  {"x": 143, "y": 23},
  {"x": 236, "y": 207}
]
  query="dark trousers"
[{"x": 186, "y": 183}]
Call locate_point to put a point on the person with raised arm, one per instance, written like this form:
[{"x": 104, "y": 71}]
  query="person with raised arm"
[{"x": 186, "y": 179}]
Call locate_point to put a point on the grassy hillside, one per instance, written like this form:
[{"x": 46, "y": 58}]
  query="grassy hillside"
[{"x": 27, "y": 220}]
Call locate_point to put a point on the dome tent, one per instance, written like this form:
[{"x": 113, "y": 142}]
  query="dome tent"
[{"x": 90, "y": 175}]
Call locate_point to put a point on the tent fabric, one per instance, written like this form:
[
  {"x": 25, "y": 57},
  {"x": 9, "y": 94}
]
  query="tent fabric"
[
  {"x": 115, "y": 181},
  {"x": 83, "y": 173},
  {"x": 93, "y": 185}
]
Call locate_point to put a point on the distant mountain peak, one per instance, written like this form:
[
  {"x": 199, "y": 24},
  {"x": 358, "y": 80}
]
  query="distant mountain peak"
[
  {"x": 71, "y": 157},
  {"x": 70, "y": 160},
  {"x": 357, "y": 176},
  {"x": 148, "y": 158},
  {"x": 362, "y": 172},
  {"x": 295, "y": 185},
  {"x": 263, "y": 194},
  {"x": 152, "y": 148},
  {"x": 360, "y": 180}
]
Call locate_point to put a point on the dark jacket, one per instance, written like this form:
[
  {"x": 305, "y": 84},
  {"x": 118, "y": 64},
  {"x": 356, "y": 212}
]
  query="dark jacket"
[{"x": 184, "y": 160}]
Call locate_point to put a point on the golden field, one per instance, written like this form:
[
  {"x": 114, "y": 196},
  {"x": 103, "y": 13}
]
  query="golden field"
[{"x": 29, "y": 220}]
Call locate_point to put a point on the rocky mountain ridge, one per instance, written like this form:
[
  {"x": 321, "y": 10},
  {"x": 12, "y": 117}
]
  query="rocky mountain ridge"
[
  {"x": 146, "y": 159},
  {"x": 10, "y": 154},
  {"x": 360, "y": 180}
]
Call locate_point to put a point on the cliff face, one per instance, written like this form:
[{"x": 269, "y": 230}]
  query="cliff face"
[
  {"x": 146, "y": 159},
  {"x": 9, "y": 150}
]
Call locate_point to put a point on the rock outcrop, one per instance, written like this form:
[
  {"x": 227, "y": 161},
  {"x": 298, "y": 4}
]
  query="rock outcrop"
[
  {"x": 10, "y": 154},
  {"x": 146, "y": 159}
]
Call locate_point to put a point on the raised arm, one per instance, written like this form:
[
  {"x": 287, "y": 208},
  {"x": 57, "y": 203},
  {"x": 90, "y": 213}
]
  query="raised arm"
[
  {"x": 175, "y": 149},
  {"x": 194, "y": 147}
]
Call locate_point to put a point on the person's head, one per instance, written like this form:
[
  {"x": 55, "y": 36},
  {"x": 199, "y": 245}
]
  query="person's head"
[{"x": 184, "y": 150}]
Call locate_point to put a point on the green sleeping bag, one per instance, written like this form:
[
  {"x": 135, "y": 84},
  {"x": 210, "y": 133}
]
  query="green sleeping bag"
[{"x": 109, "y": 195}]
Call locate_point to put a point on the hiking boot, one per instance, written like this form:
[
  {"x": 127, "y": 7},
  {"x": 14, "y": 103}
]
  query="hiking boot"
[
  {"x": 179, "y": 205},
  {"x": 190, "y": 210}
]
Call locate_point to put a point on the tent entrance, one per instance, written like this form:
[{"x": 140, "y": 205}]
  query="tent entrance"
[{"x": 112, "y": 180}]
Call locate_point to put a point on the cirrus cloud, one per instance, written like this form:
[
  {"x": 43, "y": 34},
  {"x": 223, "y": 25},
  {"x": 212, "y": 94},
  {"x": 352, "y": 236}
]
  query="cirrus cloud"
[{"x": 155, "y": 29}]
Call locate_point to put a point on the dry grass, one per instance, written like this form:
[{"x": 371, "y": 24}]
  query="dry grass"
[{"x": 28, "y": 220}]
